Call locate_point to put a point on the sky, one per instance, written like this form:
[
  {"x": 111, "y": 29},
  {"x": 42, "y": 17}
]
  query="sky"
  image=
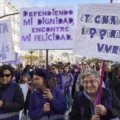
[{"x": 42, "y": 3}]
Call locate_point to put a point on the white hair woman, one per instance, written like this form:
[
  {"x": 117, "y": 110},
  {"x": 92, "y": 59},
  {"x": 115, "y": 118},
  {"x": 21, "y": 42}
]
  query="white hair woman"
[{"x": 85, "y": 103}]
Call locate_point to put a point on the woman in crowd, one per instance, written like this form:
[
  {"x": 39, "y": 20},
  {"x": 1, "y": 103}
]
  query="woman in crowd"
[
  {"x": 11, "y": 96},
  {"x": 75, "y": 73},
  {"x": 47, "y": 101},
  {"x": 25, "y": 80},
  {"x": 57, "y": 76},
  {"x": 85, "y": 103},
  {"x": 68, "y": 79}
]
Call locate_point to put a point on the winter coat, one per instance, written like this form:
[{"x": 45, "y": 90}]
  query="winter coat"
[
  {"x": 109, "y": 100},
  {"x": 57, "y": 105},
  {"x": 13, "y": 101}
]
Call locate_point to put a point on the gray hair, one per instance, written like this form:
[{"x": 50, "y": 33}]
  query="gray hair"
[{"x": 91, "y": 72}]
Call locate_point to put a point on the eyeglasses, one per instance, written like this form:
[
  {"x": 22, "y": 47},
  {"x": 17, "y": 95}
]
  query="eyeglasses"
[
  {"x": 5, "y": 75},
  {"x": 90, "y": 81}
]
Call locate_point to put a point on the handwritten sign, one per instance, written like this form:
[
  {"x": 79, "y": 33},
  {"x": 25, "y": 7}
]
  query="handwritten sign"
[
  {"x": 47, "y": 28},
  {"x": 6, "y": 43},
  {"x": 98, "y": 31}
]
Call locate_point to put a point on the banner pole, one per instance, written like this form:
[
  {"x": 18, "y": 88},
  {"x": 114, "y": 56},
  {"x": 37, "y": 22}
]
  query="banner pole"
[
  {"x": 47, "y": 52},
  {"x": 101, "y": 81},
  {"x": 101, "y": 78}
]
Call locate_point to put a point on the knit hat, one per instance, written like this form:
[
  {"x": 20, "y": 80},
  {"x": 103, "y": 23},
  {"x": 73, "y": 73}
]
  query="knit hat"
[
  {"x": 60, "y": 63},
  {"x": 41, "y": 72},
  {"x": 27, "y": 75},
  {"x": 75, "y": 66}
]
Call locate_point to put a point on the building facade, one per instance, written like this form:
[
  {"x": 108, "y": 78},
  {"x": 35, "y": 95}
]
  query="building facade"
[{"x": 5, "y": 9}]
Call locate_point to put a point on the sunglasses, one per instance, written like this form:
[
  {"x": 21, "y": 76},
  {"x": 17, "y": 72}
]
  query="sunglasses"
[{"x": 5, "y": 75}]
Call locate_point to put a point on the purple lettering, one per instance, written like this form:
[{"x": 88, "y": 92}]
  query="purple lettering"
[
  {"x": 102, "y": 33},
  {"x": 70, "y": 12},
  {"x": 48, "y": 29},
  {"x": 26, "y": 38},
  {"x": 39, "y": 21},
  {"x": 25, "y": 13},
  {"x": 71, "y": 20},
  {"x": 62, "y": 37},
  {"x": 60, "y": 21},
  {"x": 68, "y": 37},
  {"x": 65, "y": 12},
  {"x": 92, "y": 32},
  {"x": 57, "y": 37},
  {"x": 67, "y": 29},
  {"x": 56, "y": 13},
  {"x": 49, "y": 13},
  {"x": 100, "y": 47},
  {"x": 115, "y": 50},
  {"x": 49, "y": 37}
]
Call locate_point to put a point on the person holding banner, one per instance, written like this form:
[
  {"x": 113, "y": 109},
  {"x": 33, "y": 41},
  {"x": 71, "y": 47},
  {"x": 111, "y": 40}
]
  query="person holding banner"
[
  {"x": 47, "y": 101},
  {"x": 11, "y": 96},
  {"x": 85, "y": 103}
]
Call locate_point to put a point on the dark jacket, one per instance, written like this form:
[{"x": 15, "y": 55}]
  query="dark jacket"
[
  {"x": 18, "y": 75},
  {"x": 58, "y": 106},
  {"x": 26, "y": 105},
  {"x": 116, "y": 82},
  {"x": 109, "y": 77},
  {"x": 12, "y": 97},
  {"x": 75, "y": 75},
  {"x": 113, "y": 106}
]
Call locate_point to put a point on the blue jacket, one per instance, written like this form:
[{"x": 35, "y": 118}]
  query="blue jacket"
[{"x": 57, "y": 109}]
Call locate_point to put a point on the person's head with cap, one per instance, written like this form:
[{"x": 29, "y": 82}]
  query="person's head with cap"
[
  {"x": 90, "y": 81},
  {"x": 40, "y": 78},
  {"x": 25, "y": 78}
]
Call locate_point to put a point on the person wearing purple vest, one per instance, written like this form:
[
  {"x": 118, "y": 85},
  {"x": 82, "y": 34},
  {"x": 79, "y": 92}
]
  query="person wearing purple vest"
[
  {"x": 68, "y": 78},
  {"x": 85, "y": 103},
  {"x": 46, "y": 101},
  {"x": 11, "y": 96}
]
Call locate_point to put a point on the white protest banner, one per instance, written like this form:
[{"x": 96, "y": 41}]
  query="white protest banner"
[
  {"x": 98, "y": 31},
  {"x": 47, "y": 28},
  {"x": 6, "y": 43}
]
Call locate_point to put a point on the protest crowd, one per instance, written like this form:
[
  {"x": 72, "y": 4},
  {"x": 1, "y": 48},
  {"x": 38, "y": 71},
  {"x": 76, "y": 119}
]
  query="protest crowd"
[{"x": 62, "y": 91}]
